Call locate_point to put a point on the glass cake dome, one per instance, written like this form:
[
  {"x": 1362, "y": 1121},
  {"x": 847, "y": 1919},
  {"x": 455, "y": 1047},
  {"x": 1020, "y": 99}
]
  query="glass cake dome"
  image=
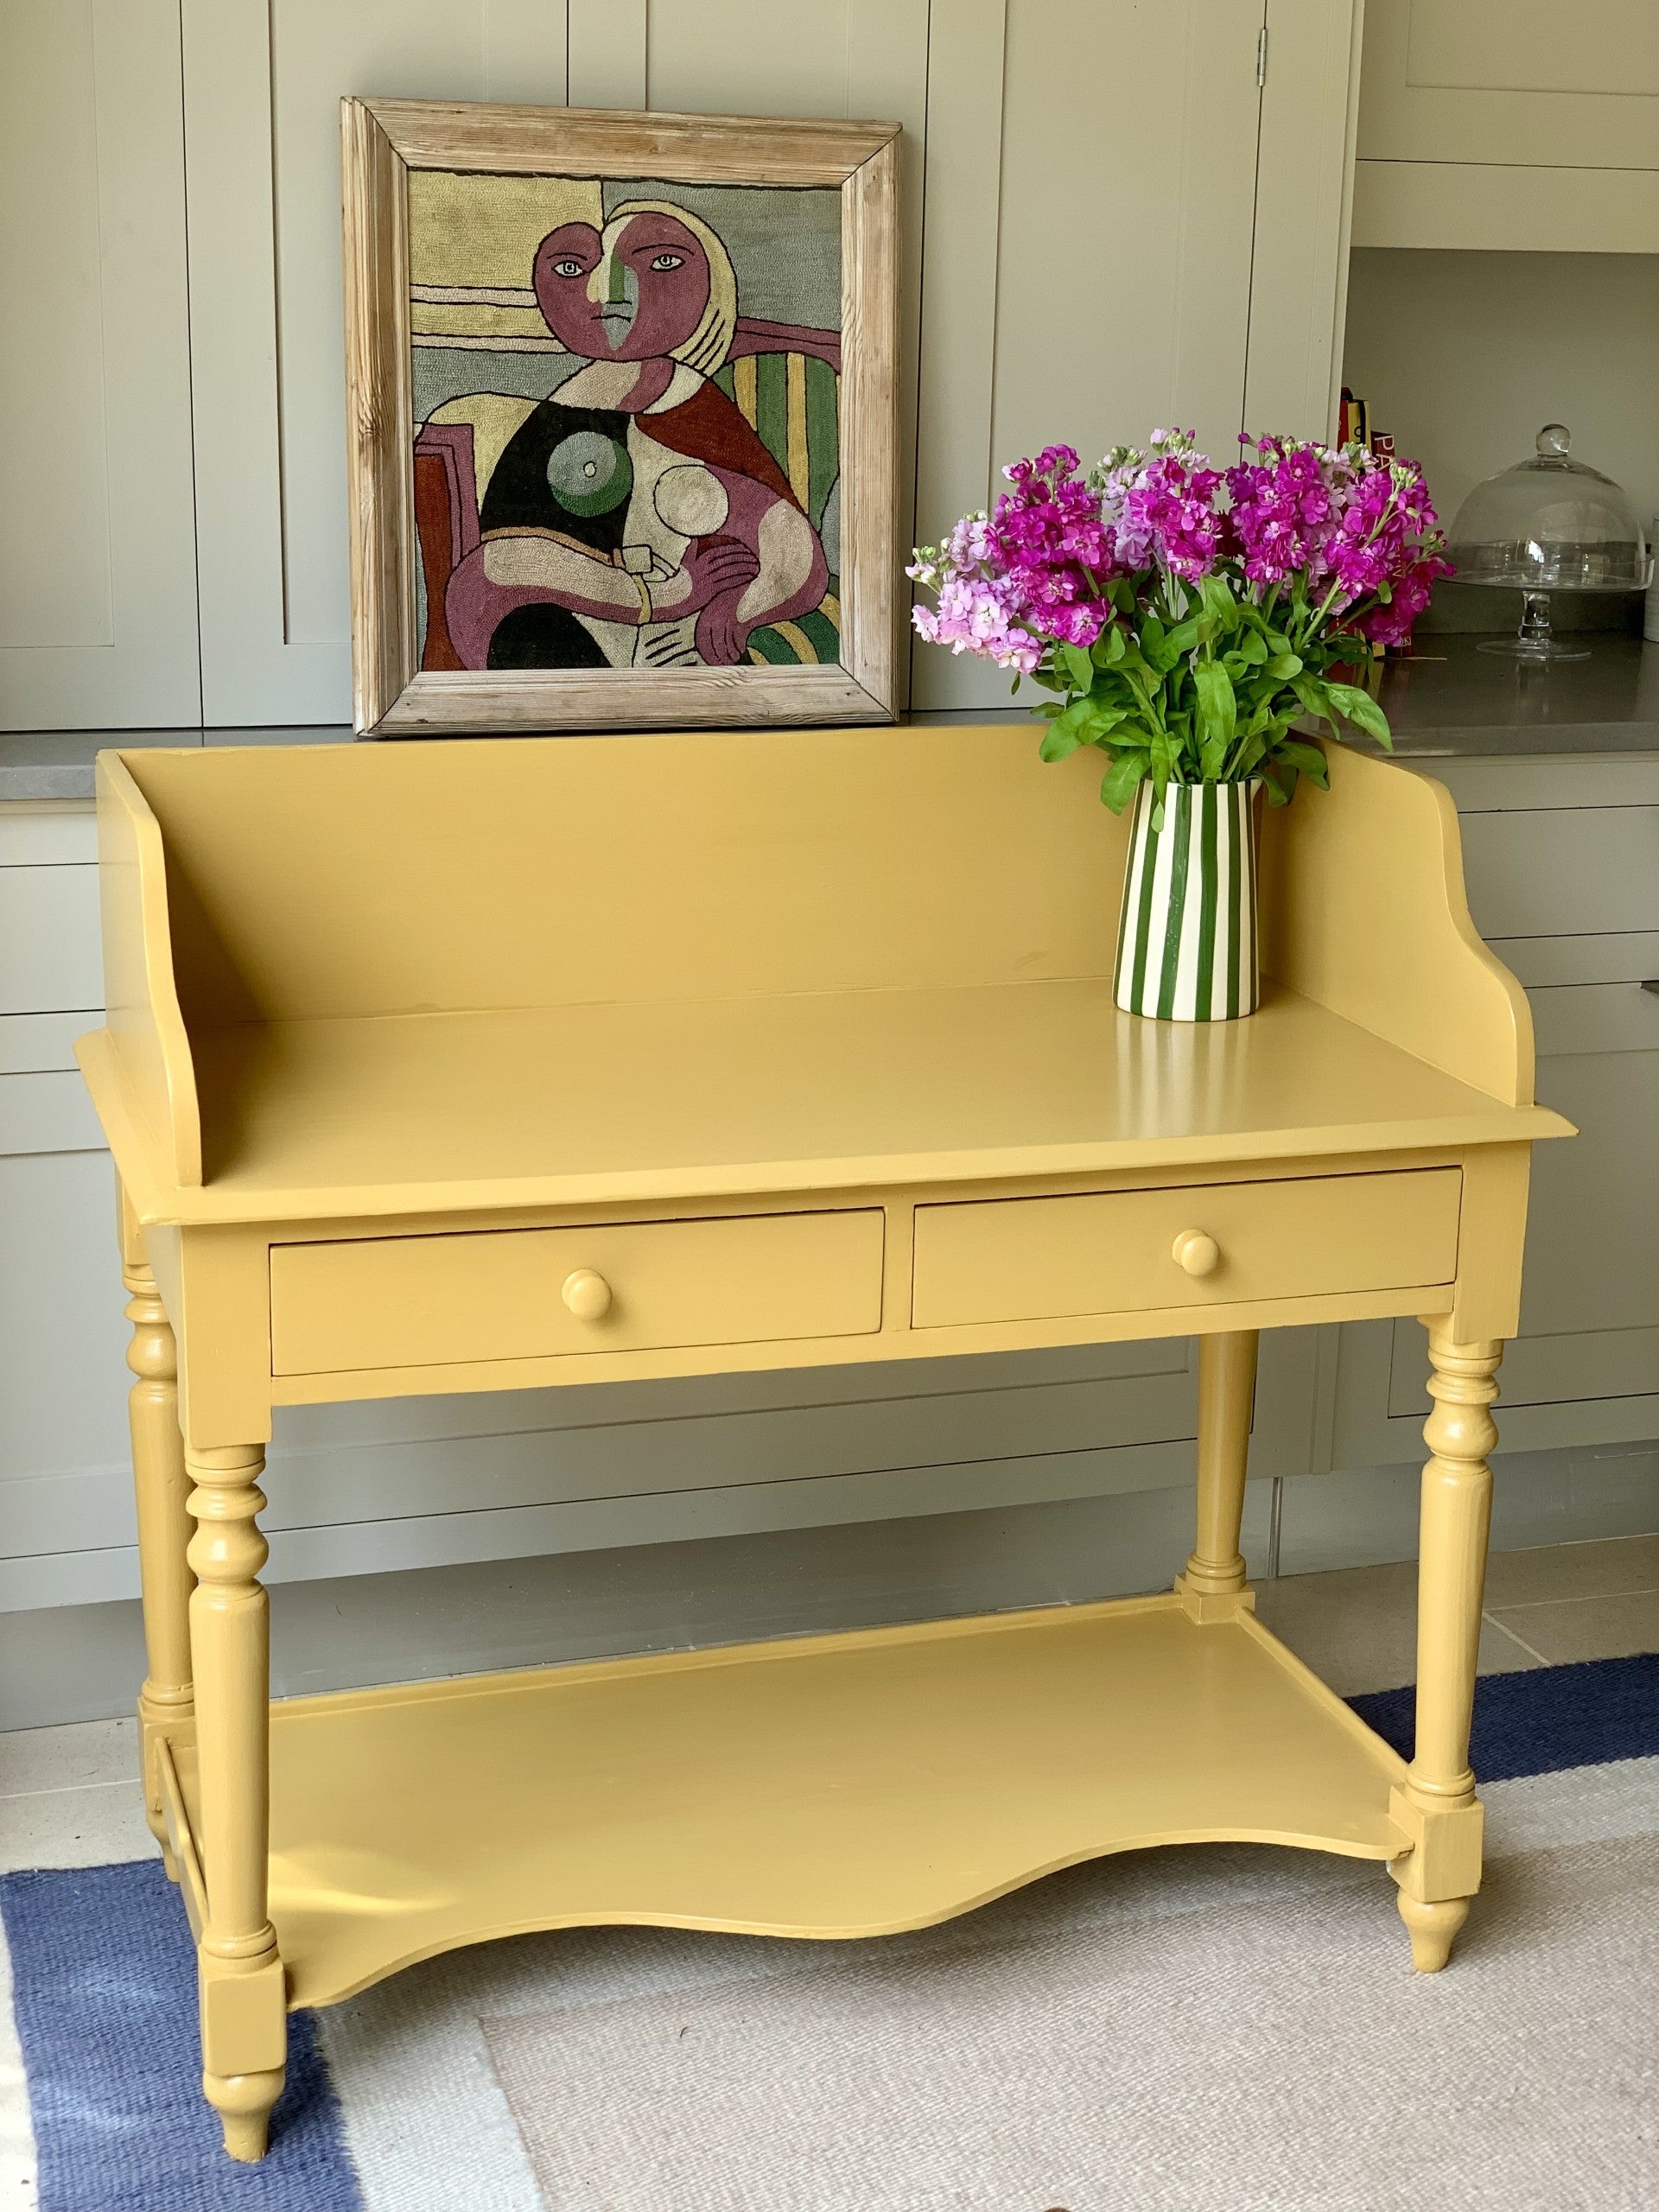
[{"x": 1549, "y": 523}]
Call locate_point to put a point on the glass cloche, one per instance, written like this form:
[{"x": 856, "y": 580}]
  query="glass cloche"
[{"x": 1548, "y": 525}]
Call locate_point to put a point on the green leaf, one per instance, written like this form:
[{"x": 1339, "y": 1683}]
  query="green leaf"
[
  {"x": 1057, "y": 743},
  {"x": 1253, "y": 647},
  {"x": 1314, "y": 697},
  {"x": 1217, "y": 703},
  {"x": 1308, "y": 758},
  {"x": 1250, "y": 753},
  {"x": 1077, "y": 665},
  {"x": 1280, "y": 782},
  {"x": 1102, "y": 719},
  {"x": 1285, "y": 666},
  {"x": 1361, "y": 710},
  {"x": 1215, "y": 596},
  {"x": 1073, "y": 721},
  {"x": 1181, "y": 639},
  {"x": 1116, "y": 646},
  {"x": 1121, "y": 779}
]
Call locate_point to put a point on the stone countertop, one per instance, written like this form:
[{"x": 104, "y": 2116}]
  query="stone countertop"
[
  {"x": 58, "y": 763},
  {"x": 1449, "y": 700}
]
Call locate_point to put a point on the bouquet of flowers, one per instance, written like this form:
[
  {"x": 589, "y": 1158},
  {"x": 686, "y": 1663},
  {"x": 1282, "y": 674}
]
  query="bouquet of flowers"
[{"x": 1190, "y": 616}]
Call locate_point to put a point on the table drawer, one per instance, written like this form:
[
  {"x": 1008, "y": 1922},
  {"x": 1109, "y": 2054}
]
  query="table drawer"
[
  {"x": 1115, "y": 1252},
  {"x": 427, "y": 1301}
]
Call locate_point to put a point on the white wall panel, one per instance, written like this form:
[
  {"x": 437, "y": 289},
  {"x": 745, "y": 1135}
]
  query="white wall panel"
[{"x": 98, "y": 614}]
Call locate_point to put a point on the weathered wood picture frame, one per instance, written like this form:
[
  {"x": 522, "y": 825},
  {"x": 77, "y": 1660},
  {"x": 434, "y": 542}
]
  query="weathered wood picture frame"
[{"x": 704, "y": 531}]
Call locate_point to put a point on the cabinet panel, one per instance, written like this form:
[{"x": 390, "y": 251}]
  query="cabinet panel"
[
  {"x": 1474, "y": 207},
  {"x": 51, "y": 955},
  {"x": 1590, "y": 1298},
  {"x": 36, "y": 1044},
  {"x": 1298, "y": 266},
  {"x": 1562, "y": 873},
  {"x": 48, "y": 1112},
  {"x": 263, "y": 80},
  {"x": 1591, "y": 1247},
  {"x": 1511, "y": 80},
  {"x": 1118, "y": 284},
  {"x": 860, "y": 60},
  {"x": 63, "y": 1341},
  {"x": 1123, "y": 250},
  {"x": 97, "y": 563}
]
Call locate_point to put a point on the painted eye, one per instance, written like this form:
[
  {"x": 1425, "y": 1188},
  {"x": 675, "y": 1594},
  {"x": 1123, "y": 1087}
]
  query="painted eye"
[
  {"x": 567, "y": 268},
  {"x": 669, "y": 261}
]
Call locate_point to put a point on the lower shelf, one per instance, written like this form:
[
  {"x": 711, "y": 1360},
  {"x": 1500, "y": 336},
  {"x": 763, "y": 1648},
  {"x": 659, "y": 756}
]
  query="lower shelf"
[{"x": 833, "y": 1786}]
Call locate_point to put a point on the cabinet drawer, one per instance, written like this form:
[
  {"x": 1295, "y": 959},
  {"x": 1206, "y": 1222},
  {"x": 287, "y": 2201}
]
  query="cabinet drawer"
[
  {"x": 426, "y": 1301},
  {"x": 1562, "y": 871},
  {"x": 51, "y": 958},
  {"x": 1114, "y": 1252}
]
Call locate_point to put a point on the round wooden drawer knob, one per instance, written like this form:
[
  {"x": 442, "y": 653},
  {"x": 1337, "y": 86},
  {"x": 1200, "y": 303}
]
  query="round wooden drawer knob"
[
  {"x": 1198, "y": 1252},
  {"x": 586, "y": 1293}
]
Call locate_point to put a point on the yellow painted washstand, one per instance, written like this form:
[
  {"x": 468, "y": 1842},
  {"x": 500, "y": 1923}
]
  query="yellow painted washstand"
[{"x": 492, "y": 1064}]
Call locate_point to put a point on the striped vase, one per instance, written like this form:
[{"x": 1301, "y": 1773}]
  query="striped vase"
[{"x": 1186, "y": 937}]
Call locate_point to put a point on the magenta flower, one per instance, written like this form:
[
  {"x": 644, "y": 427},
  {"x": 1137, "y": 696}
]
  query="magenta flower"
[{"x": 1309, "y": 547}]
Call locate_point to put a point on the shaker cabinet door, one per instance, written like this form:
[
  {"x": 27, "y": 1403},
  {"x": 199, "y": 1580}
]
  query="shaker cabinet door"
[
  {"x": 1585, "y": 1368},
  {"x": 1590, "y": 1294},
  {"x": 1521, "y": 83},
  {"x": 98, "y": 578},
  {"x": 1090, "y": 205},
  {"x": 263, "y": 80}
]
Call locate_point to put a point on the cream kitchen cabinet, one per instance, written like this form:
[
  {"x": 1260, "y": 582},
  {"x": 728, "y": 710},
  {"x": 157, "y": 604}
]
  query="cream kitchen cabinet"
[
  {"x": 98, "y": 565},
  {"x": 1510, "y": 123},
  {"x": 1567, "y": 891},
  {"x": 1129, "y": 212}
]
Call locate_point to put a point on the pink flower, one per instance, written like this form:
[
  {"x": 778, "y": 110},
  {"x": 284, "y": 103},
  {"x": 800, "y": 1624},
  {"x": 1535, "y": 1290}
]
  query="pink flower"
[{"x": 1356, "y": 540}]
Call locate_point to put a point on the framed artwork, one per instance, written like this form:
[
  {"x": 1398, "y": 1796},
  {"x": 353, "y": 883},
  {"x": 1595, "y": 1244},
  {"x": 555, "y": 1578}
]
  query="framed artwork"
[{"x": 621, "y": 405}]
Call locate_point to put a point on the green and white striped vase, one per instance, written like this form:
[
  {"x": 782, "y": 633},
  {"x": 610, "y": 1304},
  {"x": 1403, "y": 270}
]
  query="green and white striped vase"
[{"x": 1186, "y": 937}]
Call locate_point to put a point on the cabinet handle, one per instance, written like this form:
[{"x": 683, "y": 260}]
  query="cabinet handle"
[
  {"x": 1197, "y": 1251},
  {"x": 586, "y": 1293}
]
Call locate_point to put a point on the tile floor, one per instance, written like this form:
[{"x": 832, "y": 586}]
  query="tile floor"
[{"x": 67, "y": 1795}]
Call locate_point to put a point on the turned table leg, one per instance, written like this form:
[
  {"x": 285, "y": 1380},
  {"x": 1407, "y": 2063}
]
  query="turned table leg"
[
  {"x": 243, "y": 2009},
  {"x": 164, "y": 1534},
  {"x": 1436, "y": 1806},
  {"x": 1213, "y": 1582}
]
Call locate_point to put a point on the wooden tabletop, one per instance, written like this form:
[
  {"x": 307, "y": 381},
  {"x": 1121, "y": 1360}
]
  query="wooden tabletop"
[
  {"x": 567, "y": 1105},
  {"x": 427, "y": 979}
]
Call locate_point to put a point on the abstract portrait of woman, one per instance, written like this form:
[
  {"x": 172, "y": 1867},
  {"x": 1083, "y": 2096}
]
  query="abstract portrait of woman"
[{"x": 645, "y": 473}]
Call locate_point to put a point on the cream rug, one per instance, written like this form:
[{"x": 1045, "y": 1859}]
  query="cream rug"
[
  {"x": 1229, "y": 2029},
  {"x": 1208, "y": 2030}
]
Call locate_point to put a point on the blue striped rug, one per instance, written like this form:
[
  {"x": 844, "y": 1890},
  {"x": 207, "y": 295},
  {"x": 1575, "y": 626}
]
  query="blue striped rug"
[{"x": 389, "y": 2108}]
